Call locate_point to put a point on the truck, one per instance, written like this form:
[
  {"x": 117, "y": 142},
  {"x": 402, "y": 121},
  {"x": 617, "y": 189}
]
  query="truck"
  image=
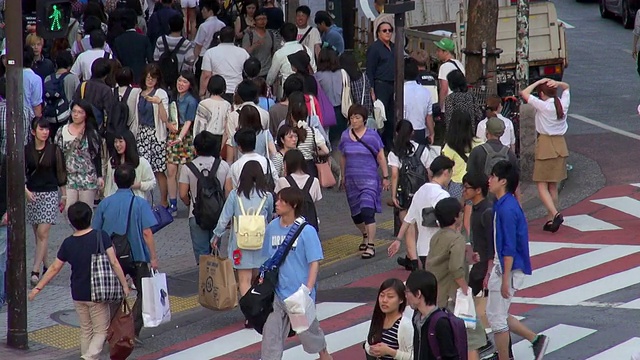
[{"x": 548, "y": 56}]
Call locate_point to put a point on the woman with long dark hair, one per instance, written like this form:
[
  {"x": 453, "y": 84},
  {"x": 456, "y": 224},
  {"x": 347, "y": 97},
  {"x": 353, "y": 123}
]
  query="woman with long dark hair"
[
  {"x": 459, "y": 141},
  {"x": 251, "y": 196},
  {"x": 390, "y": 334},
  {"x": 403, "y": 150},
  {"x": 360, "y": 84},
  {"x": 245, "y": 21},
  {"x": 249, "y": 118},
  {"x": 81, "y": 145},
  {"x": 329, "y": 76},
  {"x": 551, "y": 153},
  {"x": 125, "y": 151},
  {"x": 46, "y": 173},
  {"x": 460, "y": 99},
  {"x": 180, "y": 142}
]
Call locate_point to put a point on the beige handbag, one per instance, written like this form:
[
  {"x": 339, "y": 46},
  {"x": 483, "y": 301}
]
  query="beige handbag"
[{"x": 347, "y": 101}]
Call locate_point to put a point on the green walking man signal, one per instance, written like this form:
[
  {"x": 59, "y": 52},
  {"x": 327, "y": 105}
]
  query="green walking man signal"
[
  {"x": 56, "y": 18},
  {"x": 52, "y": 18}
]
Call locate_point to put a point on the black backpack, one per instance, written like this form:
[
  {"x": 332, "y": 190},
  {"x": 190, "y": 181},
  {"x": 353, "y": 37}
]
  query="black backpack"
[
  {"x": 209, "y": 199},
  {"x": 412, "y": 176},
  {"x": 168, "y": 63},
  {"x": 215, "y": 40},
  {"x": 308, "y": 206},
  {"x": 56, "y": 104},
  {"x": 118, "y": 120}
]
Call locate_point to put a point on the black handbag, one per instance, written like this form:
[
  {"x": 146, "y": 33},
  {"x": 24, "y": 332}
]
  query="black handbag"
[
  {"x": 121, "y": 242},
  {"x": 257, "y": 303}
]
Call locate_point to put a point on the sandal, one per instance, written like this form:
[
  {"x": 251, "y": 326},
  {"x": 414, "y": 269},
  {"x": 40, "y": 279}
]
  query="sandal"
[
  {"x": 547, "y": 226},
  {"x": 363, "y": 246},
  {"x": 369, "y": 252},
  {"x": 35, "y": 278},
  {"x": 558, "y": 219}
]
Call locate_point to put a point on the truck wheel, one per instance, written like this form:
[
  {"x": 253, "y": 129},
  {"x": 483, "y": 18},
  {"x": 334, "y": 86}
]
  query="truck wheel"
[
  {"x": 604, "y": 13},
  {"x": 627, "y": 15}
]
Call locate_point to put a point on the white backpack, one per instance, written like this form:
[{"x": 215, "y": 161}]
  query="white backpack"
[{"x": 250, "y": 227}]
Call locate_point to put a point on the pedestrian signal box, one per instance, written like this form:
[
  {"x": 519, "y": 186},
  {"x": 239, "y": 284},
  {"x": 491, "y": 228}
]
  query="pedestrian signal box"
[{"x": 52, "y": 18}]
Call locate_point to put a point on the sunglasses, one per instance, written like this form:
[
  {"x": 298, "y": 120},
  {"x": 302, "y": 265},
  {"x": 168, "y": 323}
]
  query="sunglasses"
[{"x": 386, "y": 30}]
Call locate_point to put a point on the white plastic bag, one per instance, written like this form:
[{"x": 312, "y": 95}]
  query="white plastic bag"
[
  {"x": 465, "y": 309},
  {"x": 155, "y": 300},
  {"x": 301, "y": 309},
  {"x": 379, "y": 113}
]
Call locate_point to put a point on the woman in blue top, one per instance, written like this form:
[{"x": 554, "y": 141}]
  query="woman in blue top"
[
  {"x": 253, "y": 196},
  {"x": 180, "y": 143}
]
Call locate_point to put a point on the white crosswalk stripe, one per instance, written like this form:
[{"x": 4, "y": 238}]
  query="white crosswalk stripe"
[
  {"x": 622, "y": 351},
  {"x": 560, "y": 336},
  {"x": 588, "y": 223}
]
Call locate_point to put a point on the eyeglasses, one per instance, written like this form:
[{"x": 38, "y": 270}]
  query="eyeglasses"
[
  {"x": 467, "y": 187},
  {"x": 386, "y": 30}
]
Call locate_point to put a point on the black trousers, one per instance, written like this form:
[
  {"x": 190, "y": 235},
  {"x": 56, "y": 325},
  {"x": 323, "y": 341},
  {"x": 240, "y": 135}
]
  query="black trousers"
[
  {"x": 137, "y": 272},
  {"x": 384, "y": 92}
]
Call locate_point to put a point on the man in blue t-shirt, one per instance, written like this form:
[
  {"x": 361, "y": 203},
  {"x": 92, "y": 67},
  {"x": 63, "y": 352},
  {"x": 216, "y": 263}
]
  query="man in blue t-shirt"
[{"x": 300, "y": 267}]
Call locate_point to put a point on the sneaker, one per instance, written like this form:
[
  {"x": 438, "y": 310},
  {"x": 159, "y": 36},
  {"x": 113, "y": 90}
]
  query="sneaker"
[
  {"x": 35, "y": 279},
  {"x": 173, "y": 209},
  {"x": 540, "y": 345}
]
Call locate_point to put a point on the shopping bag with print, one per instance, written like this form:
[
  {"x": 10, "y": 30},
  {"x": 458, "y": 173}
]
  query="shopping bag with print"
[
  {"x": 465, "y": 309},
  {"x": 155, "y": 300},
  {"x": 218, "y": 289}
]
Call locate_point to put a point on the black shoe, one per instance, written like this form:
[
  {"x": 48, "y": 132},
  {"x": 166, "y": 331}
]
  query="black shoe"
[
  {"x": 540, "y": 345},
  {"x": 405, "y": 262}
]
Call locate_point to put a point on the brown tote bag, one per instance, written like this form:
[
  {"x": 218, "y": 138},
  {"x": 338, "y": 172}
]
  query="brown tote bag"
[{"x": 121, "y": 333}]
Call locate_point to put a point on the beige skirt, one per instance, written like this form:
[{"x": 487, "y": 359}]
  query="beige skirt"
[{"x": 550, "y": 159}]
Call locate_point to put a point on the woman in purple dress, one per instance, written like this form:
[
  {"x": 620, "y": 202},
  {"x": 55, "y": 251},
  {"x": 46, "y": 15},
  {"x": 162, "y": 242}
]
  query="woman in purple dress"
[{"x": 362, "y": 153}]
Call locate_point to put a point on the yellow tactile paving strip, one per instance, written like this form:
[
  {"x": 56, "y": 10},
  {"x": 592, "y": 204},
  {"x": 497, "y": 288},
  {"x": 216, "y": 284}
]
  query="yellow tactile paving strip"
[{"x": 66, "y": 337}]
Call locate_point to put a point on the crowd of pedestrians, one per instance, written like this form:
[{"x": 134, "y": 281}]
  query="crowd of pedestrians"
[{"x": 193, "y": 100}]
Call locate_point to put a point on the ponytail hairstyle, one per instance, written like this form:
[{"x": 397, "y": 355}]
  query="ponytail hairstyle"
[
  {"x": 493, "y": 104},
  {"x": 402, "y": 145},
  {"x": 552, "y": 93}
]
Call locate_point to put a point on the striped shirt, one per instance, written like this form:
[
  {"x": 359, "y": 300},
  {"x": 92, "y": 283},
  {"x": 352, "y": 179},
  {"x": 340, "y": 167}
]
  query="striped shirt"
[
  {"x": 390, "y": 338},
  {"x": 185, "y": 55},
  {"x": 278, "y": 163},
  {"x": 307, "y": 147}
]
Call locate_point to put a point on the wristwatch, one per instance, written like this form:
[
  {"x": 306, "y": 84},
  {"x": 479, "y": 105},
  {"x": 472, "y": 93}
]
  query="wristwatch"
[{"x": 385, "y": 177}]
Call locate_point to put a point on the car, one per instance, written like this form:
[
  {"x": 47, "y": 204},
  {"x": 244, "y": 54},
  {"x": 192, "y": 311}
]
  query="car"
[{"x": 625, "y": 9}]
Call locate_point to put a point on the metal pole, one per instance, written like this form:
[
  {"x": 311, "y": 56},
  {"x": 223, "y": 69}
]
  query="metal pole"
[
  {"x": 399, "y": 22},
  {"x": 522, "y": 45},
  {"x": 17, "y": 336}
]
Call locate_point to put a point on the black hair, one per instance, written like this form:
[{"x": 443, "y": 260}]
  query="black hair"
[
  {"x": 217, "y": 85},
  {"x": 95, "y": 9},
  {"x": 291, "y": 85},
  {"x": 90, "y": 126},
  {"x": 357, "y": 109},
  {"x": 328, "y": 60},
  {"x": 477, "y": 181},
  {"x": 294, "y": 161},
  {"x": 176, "y": 23},
  {"x": 460, "y": 132},
  {"x": 259, "y": 12},
  {"x": 447, "y": 211},
  {"x": 125, "y": 176},
  {"x": 246, "y": 140},
  {"x": 167, "y": 2},
  {"x": 424, "y": 283},
  {"x": 3, "y": 87},
  {"x": 249, "y": 118},
  {"x": 442, "y": 163},
  {"x": 136, "y": 6},
  {"x": 296, "y": 111},
  {"x": 304, "y": 9},
  {"x": 289, "y": 32},
  {"x": 131, "y": 156},
  {"x": 64, "y": 59},
  {"x": 246, "y": 3},
  {"x": 193, "y": 83},
  {"x": 32, "y": 158},
  {"x": 227, "y": 34},
  {"x": 283, "y": 131},
  {"x": 28, "y": 57},
  {"x": 210, "y": 5},
  {"x": 248, "y": 91},
  {"x": 323, "y": 17},
  {"x": 124, "y": 76},
  {"x": 505, "y": 170},
  {"x": 411, "y": 70},
  {"x": 129, "y": 19},
  {"x": 101, "y": 68},
  {"x": 251, "y": 68},
  {"x": 402, "y": 145},
  {"x": 349, "y": 63},
  {"x": 90, "y": 24},
  {"x": 294, "y": 197},
  {"x": 152, "y": 70},
  {"x": 457, "y": 81},
  {"x": 377, "y": 319},
  {"x": 207, "y": 144},
  {"x": 80, "y": 215},
  {"x": 97, "y": 38},
  {"x": 252, "y": 178}
]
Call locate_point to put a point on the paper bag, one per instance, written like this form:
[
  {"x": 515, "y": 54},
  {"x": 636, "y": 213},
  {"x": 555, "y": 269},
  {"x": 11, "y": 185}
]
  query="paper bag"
[
  {"x": 301, "y": 309},
  {"x": 155, "y": 300},
  {"x": 465, "y": 309},
  {"x": 121, "y": 333},
  {"x": 218, "y": 289}
]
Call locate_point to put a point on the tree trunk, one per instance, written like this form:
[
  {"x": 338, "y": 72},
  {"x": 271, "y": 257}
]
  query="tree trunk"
[{"x": 482, "y": 26}]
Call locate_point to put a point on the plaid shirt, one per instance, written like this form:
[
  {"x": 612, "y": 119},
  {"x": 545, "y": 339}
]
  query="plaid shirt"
[
  {"x": 28, "y": 116},
  {"x": 358, "y": 87}
]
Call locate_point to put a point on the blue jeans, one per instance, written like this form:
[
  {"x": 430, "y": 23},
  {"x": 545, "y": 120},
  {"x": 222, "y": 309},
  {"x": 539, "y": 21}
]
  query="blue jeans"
[
  {"x": 200, "y": 238},
  {"x": 3, "y": 263}
]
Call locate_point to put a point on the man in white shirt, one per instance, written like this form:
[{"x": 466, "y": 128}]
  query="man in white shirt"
[
  {"x": 417, "y": 104},
  {"x": 308, "y": 35},
  {"x": 246, "y": 140},
  {"x": 280, "y": 64},
  {"x": 448, "y": 63},
  {"x": 422, "y": 208},
  {"x": 225, "y": 60},
  {"x": 204, "y": 35},
  {"x": 82, "y": 66}
]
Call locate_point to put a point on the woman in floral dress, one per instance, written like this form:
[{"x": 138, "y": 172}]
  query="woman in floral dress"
[{"x": 80, "y": 144}]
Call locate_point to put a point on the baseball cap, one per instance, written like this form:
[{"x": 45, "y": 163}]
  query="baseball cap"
[
  {"x": 445, "y": 44},
  {"x": 495, "y": 126},
  {"x": 441, "y": 163}
]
